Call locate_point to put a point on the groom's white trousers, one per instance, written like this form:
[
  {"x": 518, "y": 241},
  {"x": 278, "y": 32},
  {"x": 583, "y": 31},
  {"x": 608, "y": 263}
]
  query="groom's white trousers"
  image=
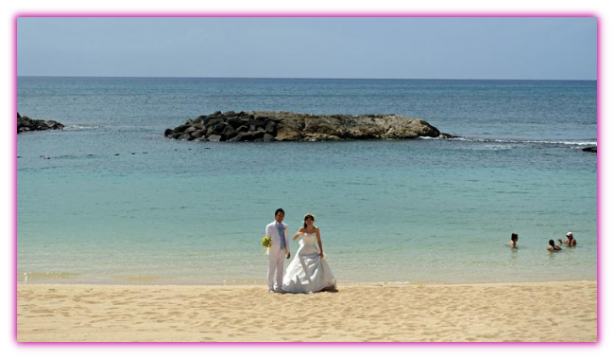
[{"x": 276, "y": 263}]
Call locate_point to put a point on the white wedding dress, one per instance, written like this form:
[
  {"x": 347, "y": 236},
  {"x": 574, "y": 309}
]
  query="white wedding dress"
[{"x": 307, "y": 272}]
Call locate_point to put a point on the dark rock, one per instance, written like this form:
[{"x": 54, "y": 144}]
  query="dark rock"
[
  {"x": 270, "y": 127},
  {"x": 219, "y": 127},
  {"x": 25, "y": 123},
  {"x": 236, "y": 122},
  {"x": 168, "y": 132},
  {"x": 590, "y": 149},
  {"x": 215, "y": 121},
  {"x": 198, "y": 134},
  {"x": 41, "y": 126},
  {"x": 196, "y": 124},
  {"x": 268, "y": 137},
  {"x": 206, "y": 119},
  {"x": 258, "y": 135},
  {"x": 258, "y": 121},
  {"x": 181, "y": 129},
  {"x": 210, "y": 131},
  {"x": 229, "y": 132}
]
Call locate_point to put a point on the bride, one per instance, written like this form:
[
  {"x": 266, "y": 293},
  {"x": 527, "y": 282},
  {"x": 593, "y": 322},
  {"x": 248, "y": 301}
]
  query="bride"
[{"x": 309, "y": 271}]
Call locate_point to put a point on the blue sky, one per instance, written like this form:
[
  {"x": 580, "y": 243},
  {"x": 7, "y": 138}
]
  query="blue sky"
[{"x": 422, "y": 48}]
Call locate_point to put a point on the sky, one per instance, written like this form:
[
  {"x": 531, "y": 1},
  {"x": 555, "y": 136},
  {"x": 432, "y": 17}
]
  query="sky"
[{"x": 302, "y": 47}]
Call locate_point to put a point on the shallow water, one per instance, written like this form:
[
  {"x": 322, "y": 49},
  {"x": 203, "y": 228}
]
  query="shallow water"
[{"x": 118, "y": 203}]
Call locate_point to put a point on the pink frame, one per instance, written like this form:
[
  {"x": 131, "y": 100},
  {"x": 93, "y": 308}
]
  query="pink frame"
[{"x": 34, "y": 8}]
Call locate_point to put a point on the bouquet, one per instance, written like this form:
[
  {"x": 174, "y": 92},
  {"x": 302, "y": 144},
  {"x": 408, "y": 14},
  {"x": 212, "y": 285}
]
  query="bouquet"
[{"x": 266, "y": 241}]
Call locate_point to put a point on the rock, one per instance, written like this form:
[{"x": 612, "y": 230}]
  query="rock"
[
  {"x": 270, "y": 127},
  {"x": 229, "y": 132},
  {"x": 214, "y": 121},
  {"x": 289, "y": 126},
  {"x": 168, "y": 132},
  {"x": 196, "y": 124},
  {"x": 198, "y": 134},
  {"x": 242, "y": 129},
  {"x": 219, "y": 127},
  {"x": 236, "y": 122},
  {"x": 205, "y": 119},
  {"x": 258, "y": 135},
  {"x": 590, "y": 149},
  {"x": 214, "y": 138},
  {"x": 257, "y": 121},
  {"x": 181, "y": 129},
  {"x": 25, "y": 123}
]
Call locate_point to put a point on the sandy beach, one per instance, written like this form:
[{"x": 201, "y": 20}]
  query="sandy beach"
[{"x": 526, "y": 312}]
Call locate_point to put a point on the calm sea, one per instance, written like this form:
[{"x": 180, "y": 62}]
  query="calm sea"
[{"x": 119, "y": 203}]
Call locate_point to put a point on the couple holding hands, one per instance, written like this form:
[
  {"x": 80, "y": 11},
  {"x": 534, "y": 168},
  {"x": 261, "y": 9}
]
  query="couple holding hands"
[{"x": 308, "y": 271}]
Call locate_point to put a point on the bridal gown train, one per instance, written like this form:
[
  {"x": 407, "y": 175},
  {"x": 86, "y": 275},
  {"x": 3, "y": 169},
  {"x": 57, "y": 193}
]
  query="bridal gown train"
[{"x": 307, "y": 272}]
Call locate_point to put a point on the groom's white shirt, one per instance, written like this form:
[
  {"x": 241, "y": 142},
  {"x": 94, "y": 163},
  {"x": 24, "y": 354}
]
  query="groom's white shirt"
[{"x": 271, "y": 231}]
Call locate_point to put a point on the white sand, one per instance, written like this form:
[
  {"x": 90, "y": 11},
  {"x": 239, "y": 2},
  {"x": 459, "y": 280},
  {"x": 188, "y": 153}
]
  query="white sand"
[{"x": 542, "y": 312}]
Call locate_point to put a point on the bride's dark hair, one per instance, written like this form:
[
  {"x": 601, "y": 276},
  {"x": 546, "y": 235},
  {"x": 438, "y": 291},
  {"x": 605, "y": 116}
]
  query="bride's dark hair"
[{"x": 305, "y": 219}]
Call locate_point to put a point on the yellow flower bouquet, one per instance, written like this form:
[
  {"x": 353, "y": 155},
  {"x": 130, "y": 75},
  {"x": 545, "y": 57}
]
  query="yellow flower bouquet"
[{"x": 266, "y": 241}]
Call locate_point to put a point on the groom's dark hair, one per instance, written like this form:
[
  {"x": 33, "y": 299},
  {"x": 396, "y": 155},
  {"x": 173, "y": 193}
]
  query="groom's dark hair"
[{"x": 279, "y": 210}]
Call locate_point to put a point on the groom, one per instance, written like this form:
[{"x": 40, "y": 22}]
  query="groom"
[{"x": 279, "y": 250}]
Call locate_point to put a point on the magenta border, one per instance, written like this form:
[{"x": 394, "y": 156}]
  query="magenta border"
[{"x": 394, "y": 8}]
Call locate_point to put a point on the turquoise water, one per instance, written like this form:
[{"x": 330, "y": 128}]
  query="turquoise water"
[{"x": 119, "y": 203}]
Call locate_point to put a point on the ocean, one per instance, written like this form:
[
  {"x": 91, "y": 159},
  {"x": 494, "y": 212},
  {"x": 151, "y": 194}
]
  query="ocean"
[{"x": 117, "y": 202}]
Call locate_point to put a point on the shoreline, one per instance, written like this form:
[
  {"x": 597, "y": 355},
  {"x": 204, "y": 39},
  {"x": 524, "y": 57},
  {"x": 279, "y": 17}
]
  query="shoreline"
[
  {"x": 263, "y": 283},
  {"x": 561, "y": 311}
]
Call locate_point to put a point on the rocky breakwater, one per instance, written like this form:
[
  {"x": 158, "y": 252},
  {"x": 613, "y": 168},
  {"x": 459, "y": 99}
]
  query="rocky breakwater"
[
  {"x": 25, "y": 124},
  {"x": 289, "y": 126}
]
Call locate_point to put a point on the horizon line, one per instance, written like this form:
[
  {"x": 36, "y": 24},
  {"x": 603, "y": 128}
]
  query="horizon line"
[{"x": 305, "y": 78}]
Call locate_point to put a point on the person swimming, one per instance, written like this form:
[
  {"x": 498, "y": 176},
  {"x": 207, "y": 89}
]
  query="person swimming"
[
  {"x": 513, "y": 241},
  {"x": 570, "y": 241},
  {"x": 553, "y": 247}
]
